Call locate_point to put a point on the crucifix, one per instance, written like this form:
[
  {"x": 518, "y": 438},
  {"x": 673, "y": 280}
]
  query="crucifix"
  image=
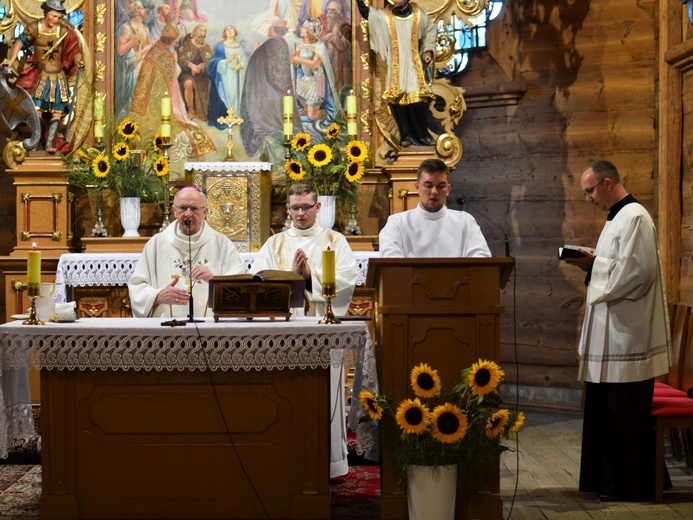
[{"x": 230, "y": 120}]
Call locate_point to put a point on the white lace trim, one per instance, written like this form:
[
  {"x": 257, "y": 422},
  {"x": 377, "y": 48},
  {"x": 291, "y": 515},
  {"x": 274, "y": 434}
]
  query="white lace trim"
[
  {"x": 228, "y": 166},
  {"x": 142, "y": 344},
  {"x": 112, "y": 269},
  {"x": 16, "y": 422}
]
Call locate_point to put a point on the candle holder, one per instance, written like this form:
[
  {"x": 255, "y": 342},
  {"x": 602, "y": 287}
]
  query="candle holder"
[
  {"x": 33, "y": 291},
  {"x": 99, "y": 229},
  {"x": 166, "y": 143},
  {"x": 329, "y": 292},
  {"x": 287, "y": 156}
]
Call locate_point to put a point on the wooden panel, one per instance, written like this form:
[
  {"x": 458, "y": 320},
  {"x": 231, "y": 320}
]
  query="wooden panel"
[{"x": 126, "y": 444}]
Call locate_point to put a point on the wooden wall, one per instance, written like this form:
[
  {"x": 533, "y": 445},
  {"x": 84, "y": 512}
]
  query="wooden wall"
[{"x": 588, "y": 71}]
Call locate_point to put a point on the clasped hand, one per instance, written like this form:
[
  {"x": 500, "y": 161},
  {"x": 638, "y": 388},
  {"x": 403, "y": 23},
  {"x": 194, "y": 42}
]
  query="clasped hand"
[{"x": 301, "y": 265}]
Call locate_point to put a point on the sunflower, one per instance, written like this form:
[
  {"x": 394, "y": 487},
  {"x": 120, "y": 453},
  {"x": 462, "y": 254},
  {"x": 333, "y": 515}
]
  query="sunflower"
[
  {"x": 412, "y": 416},
  {"x": 449, "y": 423},
  {"x": 301, "y": 142},
  {"x": 425, "y": 381},
  {"x": 161, "y": 167},
  {"x": 121, "y": 151},
  {"x": 354, "y": 171},
  {"x": 157, "y": 142},
  {"x": 332, "y": 131},
  {"x": 370, "y": 404},
  {"x": 519, "y": 421},
  {"x": 496, "y": 423},
  {"x": 356, "y": 151},
  {"x": 128, "y": 128},
  {"x": 83, "y": 156},
  {"x": 484, "y": 377},
  {"x": 320, "y": 155},
  {"x": 295, "y": 170},
  {"x": 101, "y": 166}
]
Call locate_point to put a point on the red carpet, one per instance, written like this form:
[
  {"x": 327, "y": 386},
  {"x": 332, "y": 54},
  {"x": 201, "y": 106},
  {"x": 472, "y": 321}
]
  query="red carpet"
[{"x": 356, "y": 494}]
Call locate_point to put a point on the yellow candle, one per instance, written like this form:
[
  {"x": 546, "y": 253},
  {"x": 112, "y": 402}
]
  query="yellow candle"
[
  {"x": 351, "y": 104},
  {"x": 165, "y": 129},
  {"x": 166, "y": 107},
  {"x": 328, "y": 273},
  {"x": 98, "y": 129},
  {"x": 352, "y": 129},
  {"x": 98, "y": 117},
  {"x": 33, "y": 267},
  {"x": 288, "y": 104},
  {"x": 288, "y": 114}
]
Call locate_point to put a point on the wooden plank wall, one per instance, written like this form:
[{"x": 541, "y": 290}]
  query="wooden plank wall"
[{"x": 589, "y": 71}]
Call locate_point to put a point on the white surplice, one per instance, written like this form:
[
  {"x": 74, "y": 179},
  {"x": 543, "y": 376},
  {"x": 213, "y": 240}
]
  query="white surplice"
[
  {"x": 446, "y": 233},
  {"x": 625, "y": 331}
]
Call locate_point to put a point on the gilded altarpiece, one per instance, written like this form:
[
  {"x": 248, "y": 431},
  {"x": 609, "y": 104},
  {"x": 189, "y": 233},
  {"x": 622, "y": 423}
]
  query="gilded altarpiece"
[{"x": 238, "y": 198}]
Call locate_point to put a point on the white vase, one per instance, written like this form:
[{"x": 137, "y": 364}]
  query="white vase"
[
  {"x": 431, "y": 492},
  {"x": 328, "y": 210},
  {"x": 130, "y": 216}
]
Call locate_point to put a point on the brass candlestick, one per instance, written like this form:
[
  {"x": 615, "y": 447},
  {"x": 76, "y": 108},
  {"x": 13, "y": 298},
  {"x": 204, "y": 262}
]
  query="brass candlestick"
[
  {"x": 287, "y": 156},
  {"x": 33, "y": 291},
  {"x": 99, "y": 229},
  {"x": 166, "y": 143},
  {"x": 329, "y": 292}
]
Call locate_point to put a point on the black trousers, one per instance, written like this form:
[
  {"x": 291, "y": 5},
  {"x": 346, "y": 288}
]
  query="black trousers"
[{"x": 618, "y": 440}]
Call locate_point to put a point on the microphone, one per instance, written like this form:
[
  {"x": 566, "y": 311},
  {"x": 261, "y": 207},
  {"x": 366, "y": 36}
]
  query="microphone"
[
  {"x": 461, "y": 202},
  {"x": 191, "y": 305}
]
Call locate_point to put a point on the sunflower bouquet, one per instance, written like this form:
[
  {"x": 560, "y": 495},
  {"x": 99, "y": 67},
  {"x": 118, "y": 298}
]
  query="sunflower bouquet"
[
  {"x": 129, "y": 170},
  {"x": 334, "y": 167},
  {"x": 467, "y": 427}
]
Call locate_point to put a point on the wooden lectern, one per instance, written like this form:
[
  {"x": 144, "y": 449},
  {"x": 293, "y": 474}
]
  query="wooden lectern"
[{"x": 444, "y": 312}]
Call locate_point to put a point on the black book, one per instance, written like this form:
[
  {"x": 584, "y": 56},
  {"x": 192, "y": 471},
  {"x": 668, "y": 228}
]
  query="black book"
[{"x": 570, "y": 251}]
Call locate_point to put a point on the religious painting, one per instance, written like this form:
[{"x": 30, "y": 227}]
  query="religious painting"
[{"x": 236, "y": 56}]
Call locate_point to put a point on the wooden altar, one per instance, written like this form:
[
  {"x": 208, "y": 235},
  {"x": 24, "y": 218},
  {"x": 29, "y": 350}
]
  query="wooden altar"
[{"x": 448, "y": 316}]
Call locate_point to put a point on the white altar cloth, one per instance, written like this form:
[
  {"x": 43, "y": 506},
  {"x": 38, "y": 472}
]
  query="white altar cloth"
[
  {"x": 144, "y": 344},
  {"x": 111, "y": 269}
]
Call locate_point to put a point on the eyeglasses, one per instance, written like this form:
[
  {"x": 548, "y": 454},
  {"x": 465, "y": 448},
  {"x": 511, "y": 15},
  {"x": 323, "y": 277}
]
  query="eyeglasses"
[
  {"x": 305, "y": 209},
  {"x": 589, "y": 191},
  {"x": 193, "y": 209}
]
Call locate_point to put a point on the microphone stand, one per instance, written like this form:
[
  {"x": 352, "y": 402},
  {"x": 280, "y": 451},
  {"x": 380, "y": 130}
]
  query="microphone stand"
[
  {"x": 191, "y": 306},
  {"x": 462, "y": 202}
]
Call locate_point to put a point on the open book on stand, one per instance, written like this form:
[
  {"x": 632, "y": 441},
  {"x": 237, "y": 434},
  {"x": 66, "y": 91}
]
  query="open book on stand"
[
  {"x": 266, "y": 293},
  {"x": 571, "y": 251}
]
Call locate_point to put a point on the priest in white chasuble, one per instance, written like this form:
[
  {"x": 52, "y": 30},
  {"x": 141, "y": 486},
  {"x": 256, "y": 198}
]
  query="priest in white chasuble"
[
  {"x": 165, "y": 275},
  {"x": 299, "y": 249},
  {"x": 431, "y": 230}
]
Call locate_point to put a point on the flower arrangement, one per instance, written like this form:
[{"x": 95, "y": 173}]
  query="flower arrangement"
[
  {"x": 467, "y": 428},
  {"x": 128, "y": 171},
  {"x": 334, "y": 167}
]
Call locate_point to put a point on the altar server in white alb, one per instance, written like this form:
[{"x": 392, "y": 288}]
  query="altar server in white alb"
[
  {"x": 299, "y": 249},
  {"x": 624, "y": 344},
  {"x": 159, "y": 286},
  {"x": 431, "y": 230}
]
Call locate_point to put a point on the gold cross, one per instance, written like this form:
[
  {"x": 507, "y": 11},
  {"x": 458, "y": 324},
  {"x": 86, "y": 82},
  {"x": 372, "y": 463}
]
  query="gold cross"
[
  {"x": 230, "y": 120},
  {"x": 13, "y": 106}
]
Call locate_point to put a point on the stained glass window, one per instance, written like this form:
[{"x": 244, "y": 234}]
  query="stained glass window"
[{"x": 466, "y": 38}]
